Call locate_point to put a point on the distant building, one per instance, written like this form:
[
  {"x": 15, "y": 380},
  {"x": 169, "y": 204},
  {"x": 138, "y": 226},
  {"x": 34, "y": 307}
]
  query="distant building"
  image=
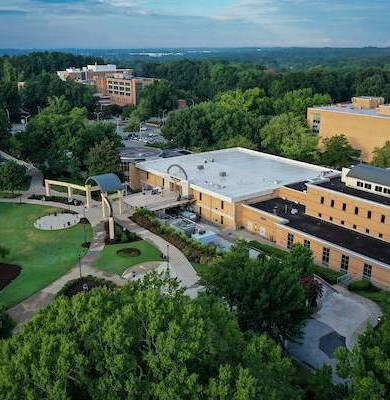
[
  {"x": 342, "y": 217},
  {"x": 120, "y": 86},
  {"x": 365, "y": 122}
]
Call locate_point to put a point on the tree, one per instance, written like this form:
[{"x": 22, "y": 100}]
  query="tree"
[
  {"x": 367, "y": 364},
  {"x": 133, "y": 125},
  {"x": 382, "y": 156},
  {"x": 289, "y": 136},
  {"x": 265, "y": 294},
  {"x": 12, "y": 176},
  {"x": 298, "y": 101},
  {"x": 338, "y": 153},
  {"x": 5, "y": 128},
  {"x": 103, "y": 158},
  {"x": 236, "y": 141},
  {"x": 146, "y": 340}
]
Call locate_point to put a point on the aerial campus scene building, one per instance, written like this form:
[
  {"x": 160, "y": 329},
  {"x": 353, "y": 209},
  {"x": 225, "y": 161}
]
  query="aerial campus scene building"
[
  {"x": 194, "y": 200},
  {"x": 343, "y": 217}
]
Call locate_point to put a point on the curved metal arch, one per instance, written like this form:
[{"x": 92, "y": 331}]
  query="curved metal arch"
[
  {"x": 108, "y": 204},
  {"x": 181, "y": 169},
  {"x": 106, "y": 182}
]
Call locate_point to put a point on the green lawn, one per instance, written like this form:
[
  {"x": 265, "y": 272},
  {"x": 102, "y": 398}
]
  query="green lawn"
[
  {"x": 43, "y": 255},
  {"x": 110, "y": 261}
]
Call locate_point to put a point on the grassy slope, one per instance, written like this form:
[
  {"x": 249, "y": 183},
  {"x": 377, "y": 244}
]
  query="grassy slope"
[
  {"x": 43, "y": 255},
  {"x": 110, "y": 261}
]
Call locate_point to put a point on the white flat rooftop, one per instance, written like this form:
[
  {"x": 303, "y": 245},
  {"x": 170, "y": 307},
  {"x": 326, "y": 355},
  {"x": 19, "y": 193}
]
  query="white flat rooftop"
[
  {"x": 348, "y": 108},
  {"x": 248, "y": 173}
]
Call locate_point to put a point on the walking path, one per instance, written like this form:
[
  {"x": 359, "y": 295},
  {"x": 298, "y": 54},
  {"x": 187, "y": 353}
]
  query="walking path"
[{"x": 182, "y": 268}]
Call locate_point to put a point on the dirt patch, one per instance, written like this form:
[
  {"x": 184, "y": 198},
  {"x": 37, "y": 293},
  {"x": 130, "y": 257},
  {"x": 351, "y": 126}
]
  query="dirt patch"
[
  {"x": 8, "y": 272},
  {"x": 129, "y": 252}
]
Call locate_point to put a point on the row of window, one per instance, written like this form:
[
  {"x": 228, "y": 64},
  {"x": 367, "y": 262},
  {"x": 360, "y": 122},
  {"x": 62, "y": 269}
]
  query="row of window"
[
  {"x": 354, "y": 226},
  {"x": 356, "y": 209},
  {"x": 344, "y": 264},
  {"x": 377, "y": 188}
]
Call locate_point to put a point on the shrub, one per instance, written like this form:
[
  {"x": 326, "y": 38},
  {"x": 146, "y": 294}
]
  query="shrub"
[
  {"x": 327, "y": 274},
  {"x": 362, "y": 285},
  {"x": 268, "y": 249},
  {"x": 75, "y": 286},
  {"x": 6, "y": 323},
  {"x": 193, "y": 250}
]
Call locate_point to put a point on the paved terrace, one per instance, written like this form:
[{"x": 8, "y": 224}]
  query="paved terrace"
[{"x": 354, "y": 241}]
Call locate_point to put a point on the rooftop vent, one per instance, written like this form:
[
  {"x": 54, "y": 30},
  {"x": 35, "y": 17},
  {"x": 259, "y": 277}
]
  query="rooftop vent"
[
  {"x": 200, "y": 167},
  {"x": 222, "y": 174}
]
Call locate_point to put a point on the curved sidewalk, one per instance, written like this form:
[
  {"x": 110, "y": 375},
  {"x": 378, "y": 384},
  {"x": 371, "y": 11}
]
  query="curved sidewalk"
[{"x": 183, "y": 269}]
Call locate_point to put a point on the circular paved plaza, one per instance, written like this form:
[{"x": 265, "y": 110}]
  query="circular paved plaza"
[{"x": 57, "y": 221}]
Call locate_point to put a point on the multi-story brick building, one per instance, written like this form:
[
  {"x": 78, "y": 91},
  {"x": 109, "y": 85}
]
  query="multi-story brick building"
[
  {"x": 343, "y": 217},
  {"x": 365, "y": 122}
]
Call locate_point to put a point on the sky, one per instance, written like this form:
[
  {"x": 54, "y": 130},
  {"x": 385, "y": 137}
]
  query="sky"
[{"x": 193, "y": 23}]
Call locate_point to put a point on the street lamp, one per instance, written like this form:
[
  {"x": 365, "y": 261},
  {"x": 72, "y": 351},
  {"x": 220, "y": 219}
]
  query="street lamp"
[
  {"x": 80, "y": 265},
  {"x": 168, "y": 257}
]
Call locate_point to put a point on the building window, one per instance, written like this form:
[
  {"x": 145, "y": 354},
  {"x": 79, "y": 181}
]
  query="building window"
[
  {"x": 163, "y": 182},
  {"x": 306, "y": 243},
  {"x": 386, "y": 191},
  {"x": 322, "y": 199},
  {"x": 319, "y": 215},
  {"x": 200, "y": 210},
  {"x": 200, "y": 196},
  {"x": 344, "y": 263},
  {"x": 380, "y": 235},
  {"x": 383, "y": 219},
  {"x": 354, "y": 226},
  {"x": 290, "y": 240},
  {"x": 369, "y": 214},
  {"x": 367, "y": 271},
  {"x": 330, "y": 218},
  {"x": 356, "y": 210},
  {"x": 332, "y": 203},
  {"x": 342, "y": 222},
  {"x": 367, "y": 230},
  {"x": 147, "y": 175},
  {"x": 367, "y": 186},
  {"x": 359, "y": 184},
  {"x": 344, "y": 206},
  {"x": 222, "y": 205},
  {"x": 325, "y": 256},
  {"x": 378, "y": 189},
  {"x": 221, "y": 219}
]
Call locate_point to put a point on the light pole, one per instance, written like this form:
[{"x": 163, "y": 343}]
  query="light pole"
[
  {"x": 80, "y": 265},
  {"x": 168, "y": 257}
]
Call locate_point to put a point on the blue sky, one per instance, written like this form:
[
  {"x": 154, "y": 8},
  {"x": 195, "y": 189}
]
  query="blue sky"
[{"x": 190, "y": 23}]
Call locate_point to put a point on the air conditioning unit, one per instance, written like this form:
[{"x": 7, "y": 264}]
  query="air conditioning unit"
[
  {"x": 200, "y": 167},
  {"x": 222, "y": 174}
]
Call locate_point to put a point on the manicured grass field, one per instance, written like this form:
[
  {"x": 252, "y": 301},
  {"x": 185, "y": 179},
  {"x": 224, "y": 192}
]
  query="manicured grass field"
[
  {"x": 43, "y": 255},
  {"x": 110, "y": 261}
]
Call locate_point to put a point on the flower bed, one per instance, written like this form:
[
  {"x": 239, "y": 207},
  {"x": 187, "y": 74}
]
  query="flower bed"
[
  {"x": 129, "y": 252},
  {"x": 196, "y": 252},
  {"x": 8, "y": 272}
]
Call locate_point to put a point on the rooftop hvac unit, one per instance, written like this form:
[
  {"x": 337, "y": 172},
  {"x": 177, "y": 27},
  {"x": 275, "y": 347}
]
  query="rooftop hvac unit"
[
  {"x": 200, "y": 167},
  {"x": 222, "y": 174}
]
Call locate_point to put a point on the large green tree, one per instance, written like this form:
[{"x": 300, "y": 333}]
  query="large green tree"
[
  {"x": 338, "y": 153},
  {"x": 266, "y": 294},
  {"x": 103, "y": 158},
  {"x": 12, "y": 176},
  {"x": 144, "y": 341},
  {"x": 288, "y": 135},
  {"x": 367, "y": 366},
  {"x": 381, "y": 156}
]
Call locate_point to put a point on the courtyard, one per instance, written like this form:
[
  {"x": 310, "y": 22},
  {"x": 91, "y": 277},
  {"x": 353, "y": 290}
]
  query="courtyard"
[{"x": 43, "y": 256}]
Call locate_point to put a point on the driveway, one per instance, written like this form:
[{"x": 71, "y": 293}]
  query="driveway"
[{"x": 342, "y": 317}]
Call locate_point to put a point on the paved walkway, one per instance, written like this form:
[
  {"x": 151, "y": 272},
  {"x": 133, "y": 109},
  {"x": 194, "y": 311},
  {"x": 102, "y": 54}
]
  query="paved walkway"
[
  {"x": 178, "y": 262},
  {"x": 24, "y": 310}
]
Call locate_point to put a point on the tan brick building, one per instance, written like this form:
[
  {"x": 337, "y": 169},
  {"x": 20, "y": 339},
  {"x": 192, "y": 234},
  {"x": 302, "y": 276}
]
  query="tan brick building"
[
  {"x": 343, "y": 217},
  {"x": 365, "y": 122}
]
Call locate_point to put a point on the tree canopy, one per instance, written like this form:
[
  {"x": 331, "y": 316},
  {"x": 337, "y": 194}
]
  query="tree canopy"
[
  {"x": 146, "y": 340},
  {"x": 381, "y": 156},
  {"x": 338, "y": 153}
]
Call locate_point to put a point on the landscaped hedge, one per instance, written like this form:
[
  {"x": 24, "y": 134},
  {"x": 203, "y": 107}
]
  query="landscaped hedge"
[
  {"x": 121, "y": 236},
  {"x": 195, "y": 251},
  {"x": 327, "y": 274},
  {"x": 362, "y": 285},
  {"x": 268, "y": 249},
  {"x": 56, "y": 199}
]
